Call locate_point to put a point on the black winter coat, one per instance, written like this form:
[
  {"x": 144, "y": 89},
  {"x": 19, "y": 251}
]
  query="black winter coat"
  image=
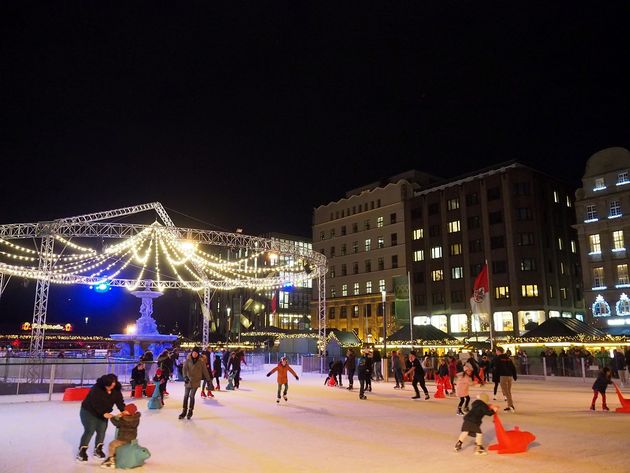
[
  {"x": 602, "y": 382},
  {"x": 139, "y": 376},
  {"x": 505, "y": 366},
  {"x": 98, "y": 402},
  {"x": 418, "y": 372},
  {"x": 478, "y": 410},
  {"x": 216, "y": 367}
]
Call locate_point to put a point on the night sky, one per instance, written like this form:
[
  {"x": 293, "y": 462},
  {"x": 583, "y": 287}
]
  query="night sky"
[{"x": 249, "y": 114}]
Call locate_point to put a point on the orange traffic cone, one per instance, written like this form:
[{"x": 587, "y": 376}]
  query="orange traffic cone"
[
  {"x": 510, "y": 441},
  {"x": 625, "y": 403},
  {"x": 440, "y": 387}
]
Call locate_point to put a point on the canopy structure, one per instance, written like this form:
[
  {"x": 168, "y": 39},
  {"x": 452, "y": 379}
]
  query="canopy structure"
[
  {"x": 423, "y": 335},
  {"x": 156, "y": 256}
]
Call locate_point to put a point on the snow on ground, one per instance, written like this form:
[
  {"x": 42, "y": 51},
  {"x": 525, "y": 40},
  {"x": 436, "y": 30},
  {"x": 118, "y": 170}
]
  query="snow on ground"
[{"x": 322, "y": 429}]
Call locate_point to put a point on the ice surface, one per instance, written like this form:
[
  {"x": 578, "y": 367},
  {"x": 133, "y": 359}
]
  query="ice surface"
[{"x": 324, "y": 429}]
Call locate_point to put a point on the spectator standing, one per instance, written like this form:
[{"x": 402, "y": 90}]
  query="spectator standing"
[{"x": 506, "y": 372}]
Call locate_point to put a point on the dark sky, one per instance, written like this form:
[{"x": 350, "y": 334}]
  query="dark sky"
[{"x": 249, "y": 114}]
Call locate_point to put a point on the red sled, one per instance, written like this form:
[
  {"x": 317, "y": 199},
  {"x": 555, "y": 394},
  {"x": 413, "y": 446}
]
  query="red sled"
[
  {"x": 625, "y": 403},
  {"x": 510, "y": 441}
]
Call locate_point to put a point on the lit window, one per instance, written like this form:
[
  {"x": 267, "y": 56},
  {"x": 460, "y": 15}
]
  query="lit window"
[
  {"x": 568, "y": 201},
  {"x": 556, "y": 198},
  {"x": 503, "y": 321},
  {"x": 618, "y": 243},
  {"x": 591, "y": 213},
  {"x": 623, "y": 305},
  {"x": 573, "y": 247},
  {"x": 454, "y": 226},
  {"x": 622, "y": 274},
  {"x": 622, "y": 178},
  {"x": 456, "y": 249},
  {"x": 418, "y": 255},
  {"x": 368, "y": 244},
  {"x": 356, "y": 289},
  {"x": 381, "y": 242},
  {"x": 598, "y": 277},
  {"x": 379, "y": 222},
  {"x": 355, "y": 311},
  {"x": 368, "y": 287},
  {"x": 459, "y": 323},
  {"x": 436, "y": 252},
  {"x": 502, "y": 292},
  {"x": 596, "y": 247},
  {"x": 561, "y": 267},
  {"x": 333, "y": 292},
  {"x": 452, "y": 204},
  {"x": 355, "y": 246},
  {"x": 563, "y": 293},
  {"x": 457, "y": 272},
  {"x": 615, "y": 209},
  {"x": 437, "y": 275},
  {"x": 560, "y": 245},
  {"x": 344, "y": 290},
  {"x": 599, "y": 184},
  {"x": 529, "y": 290},
  {"x": 381, "y": 285},
  {"x": 418, "y": 233}
]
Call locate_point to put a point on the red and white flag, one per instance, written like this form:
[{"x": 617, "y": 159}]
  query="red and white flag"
[
  {"x": 480, "y": 300},
  {"x": 274, "y": 302}
]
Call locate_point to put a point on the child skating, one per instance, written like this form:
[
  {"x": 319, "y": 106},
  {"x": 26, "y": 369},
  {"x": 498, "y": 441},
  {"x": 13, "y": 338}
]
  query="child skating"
[
  {"x": 462, "y": 389},
  {"x": 363, "y": 374},
  {"x": 283, "y": 369},
  {"x": 472, "y": 424},
  {"x": 126, "y": 430},
  {"x": 604, "y": 378}
]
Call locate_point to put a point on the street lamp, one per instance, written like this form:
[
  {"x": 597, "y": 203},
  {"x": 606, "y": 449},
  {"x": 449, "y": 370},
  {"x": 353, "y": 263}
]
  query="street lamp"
[
  {"x": 383, "y": 297},
  {"x": 229, "y": 309}
]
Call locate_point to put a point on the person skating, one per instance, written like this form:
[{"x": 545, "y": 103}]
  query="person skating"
[
  {"x": 206, "y": 356},
  {"x": 376, "y": 359},
  {"x": 234, "y": 365},
  {"x": 397, "y": 369},
  {"x": 363, "y": 375},
  {"x": 604, "y": 378},
  {"x": 369, "y": 363},
  {"x": 160, "y": 383},
  {"x": 337, "y": 369},
  {"x": 472, "y": 424},
  {"x": 417, "y": 375},
  {"x": 126, "y": 430},
  {"x": 507, "y": 372},
  {"x": 138, "y": 378},
  {"x": 95, "y": 410},
  {"x": 194, "y": 371},
  {"x": 443, "y": 373},
  {"x": 226, "y": 362},
  {"x": 216, "y": 370},
  {"x": 462, "y": 389},
  {"x": 283, "y": 369},
  {"x": 350, "y": 366}
]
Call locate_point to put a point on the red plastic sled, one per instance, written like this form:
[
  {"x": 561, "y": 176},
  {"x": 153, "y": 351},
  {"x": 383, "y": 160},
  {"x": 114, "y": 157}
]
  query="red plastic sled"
[{"x": 510, "y": 441}]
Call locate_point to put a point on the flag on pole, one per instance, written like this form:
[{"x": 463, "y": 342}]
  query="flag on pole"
[
  {"x": 274, "y": 302},
  {"x": 480, "y": 300}
]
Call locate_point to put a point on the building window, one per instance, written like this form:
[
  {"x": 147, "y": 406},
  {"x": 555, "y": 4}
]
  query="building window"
[
  {"x": 436, "y": 252},
  {"x": 366, "y": 224},
  {"x": 556, "y": 198},
  {"x": 331, "y": 313},
  {"x": 344, "y": 290},
  {"x": 456, "y": 249},
  {"x": 452, "y": 204},
  {"x": 418, "y": 233},
  {"x": 368, "y": 244},
  {"x": 529, "y": 290},
  {"x": 343, "y": 249},
  {"x": 381, "y": 264},
  {"x": 618, "y": 243},
  {"x": 333, "y": 292},
  {"x": 454, "y": 226},
  {"x": 418, "y": 255},
  {"x": 368, "y": 287},
  {"x": 459, "y": 323},
  {"x": 437, "y": 298},
  {"x": 528, "y": 264},
  {"x": 472, "y": 199},
  {"x": 434, "y": 230},
  {"x": 322, "y": 236},
  {"x": 573, "y": 246},
  {"x": 394, "y": 261},
  {"x": 568, "y": 201},
  {"x": 494, "y": 193},
  {"x": 475, "y": 269},
  {"x": 416, "y": 213},
  {"x": 502, "y": 292},
  {"x": 343, "y": 313},
  {"x": 615, "y": 209},
  {"x": 521, "y": 188},
  {"x": 434, "y": 209},
  {"x": 563, "y": 293},
  {"x": 622, "y": 274},
  {"x": 599, "y": 184},
  {"x": 457, "y": 272},
  {"x": 475, "y": 246},
  {"x": 457, "y": 296},
  {"x": 503, "y": 321},
  {"x": 560, "y": 244},
  {"x": 332, "y": 251},
  {"x": 600, "y": 307},
  {"x": 381, "y": 242},
  {"x": 497, "y": 242},
  {"x": 437, "y": 275},
  {"x": 392, "y": 218},
  {"x": 499, "y": 267},
  {"x": 495, "y": 217},
  {"x": 367, "y": 310},
  {"x": 379, "y": 222},
  {"x": 344, "y": 270},
  {"x": 418, "y": 277},
  {"x": 523, "y": 214},
  {"x": 550, "y": 292},
  {"x": 368, "y": 266},
  {"x": 591, "y": 213},
  {"x": 355, "y": 246},
  {"x": 355, "y": 268},
  {"x": 343, "y": 230},
  {"x": 622, "y": 178},
  {"x": 595, "y": 245},
  {"x": 474, "y": 222},
  {"x": 394, "y": 239},
  {"x": 525, "y": 239},
  {"x": 381, "y": 285},
  {"x": 356, "y": 289}
]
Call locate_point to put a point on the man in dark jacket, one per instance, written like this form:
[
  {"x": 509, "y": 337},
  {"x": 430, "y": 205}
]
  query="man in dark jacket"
[
  {"x": 363, "y": 375},
  {"x": 226, "y": 362},
  {"x": 397, "y": 369},
  {"x": 337, "y": 370},
  {"x": 417, "y": 373},
  {"x": 234, "y": 365},
  {"x": 350, "y": 366},
  {"x": 147, "y": 358},
  {"x": 138, "y": 378},
  {"x": 378, "y": 374},
  {"x": 619, "y": 365},
  {"x": 506, "y": 371}
]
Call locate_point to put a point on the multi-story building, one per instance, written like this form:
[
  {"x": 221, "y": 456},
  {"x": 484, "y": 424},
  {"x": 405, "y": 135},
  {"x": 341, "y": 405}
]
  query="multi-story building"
[
  {"x": 516, "y": 219},
  {"x": 603, "y": 223},
  {"x": 364, "y": 239}
]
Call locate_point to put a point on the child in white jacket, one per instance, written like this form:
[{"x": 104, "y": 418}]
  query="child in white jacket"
[{"x": 462, "y": 389}]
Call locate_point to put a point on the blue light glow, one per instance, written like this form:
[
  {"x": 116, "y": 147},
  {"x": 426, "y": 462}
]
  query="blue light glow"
[{"x": 102, "y": 287}]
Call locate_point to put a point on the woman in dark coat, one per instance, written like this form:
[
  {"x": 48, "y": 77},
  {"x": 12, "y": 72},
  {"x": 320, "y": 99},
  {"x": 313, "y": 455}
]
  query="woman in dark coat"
[{"x": 95, "y": 410}]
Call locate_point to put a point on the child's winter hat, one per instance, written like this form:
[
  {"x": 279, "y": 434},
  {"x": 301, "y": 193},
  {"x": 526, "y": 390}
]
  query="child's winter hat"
[
  {"x": 483, "y": 397},
  {"x": 197, "y": 349},
  {"x": 131, "y": 408}
]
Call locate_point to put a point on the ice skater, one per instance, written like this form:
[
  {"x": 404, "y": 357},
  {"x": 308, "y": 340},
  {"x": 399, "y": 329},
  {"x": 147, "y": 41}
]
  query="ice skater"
[
  {"x": 417, "y": 375},
  {"x": 443, "y": 373},
  {"x": 194, "y": 371},
  {"x": 363, "y": 374},
  {"x": 283, "y": 369},
  {"x": 216, "y": 371},
  {"x": 126, "y": 430},
  {"x": 472, "y": 424},
  {"x": 462, "y": 389},
  {"x": 604, "y": 378}
]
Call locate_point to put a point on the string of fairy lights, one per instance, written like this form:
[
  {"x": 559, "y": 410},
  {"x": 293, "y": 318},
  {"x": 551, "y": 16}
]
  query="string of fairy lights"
[{"x": 145, "y": 253}]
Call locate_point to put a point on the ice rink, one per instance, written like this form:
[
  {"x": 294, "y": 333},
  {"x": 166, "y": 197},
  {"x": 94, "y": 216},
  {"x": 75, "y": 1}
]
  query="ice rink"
[{"x": 323, "y": 429}]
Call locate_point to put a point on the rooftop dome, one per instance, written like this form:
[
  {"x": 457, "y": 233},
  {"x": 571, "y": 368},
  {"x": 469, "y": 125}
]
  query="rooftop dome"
[{"x": 607, "y": 160}]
